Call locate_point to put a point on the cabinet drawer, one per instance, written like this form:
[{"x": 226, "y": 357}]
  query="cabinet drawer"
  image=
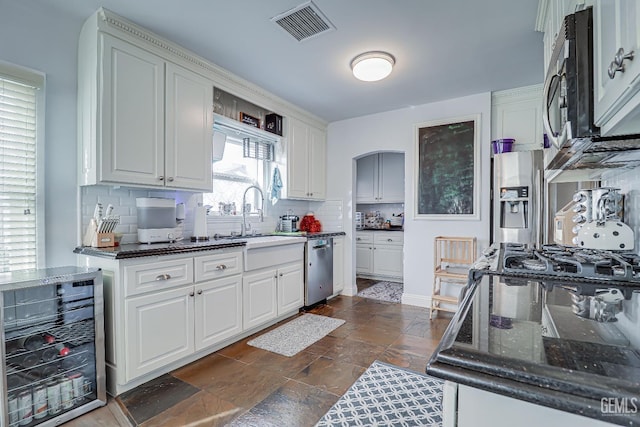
[
  {"x": 157, "y": 276},
  {"x": 388, "y": 238},
  {"x": 364, "y": 237},
  {"x": 217, "y": 265}
]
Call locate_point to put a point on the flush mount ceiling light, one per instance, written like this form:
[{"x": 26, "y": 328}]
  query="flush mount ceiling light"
[{"x": 372, "y": 66}]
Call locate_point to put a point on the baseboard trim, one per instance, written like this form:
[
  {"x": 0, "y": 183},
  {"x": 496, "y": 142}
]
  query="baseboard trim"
[{"x": 417, "y": 300}]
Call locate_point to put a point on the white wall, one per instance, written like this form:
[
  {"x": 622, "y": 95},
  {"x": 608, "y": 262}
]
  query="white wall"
[
  {"x": 394, "y": 131},
  {"x": 37, "y": 37}
]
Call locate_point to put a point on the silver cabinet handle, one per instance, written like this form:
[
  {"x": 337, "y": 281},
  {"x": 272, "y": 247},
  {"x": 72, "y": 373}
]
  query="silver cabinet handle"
[
  {"x": 621, "y": 56},
  {"x": 275, "y": 277},
  {"x": 618, "y": 62},
  {"x": 389, "y": 240},
  {"x": 170, "y": 179},
  {"x": 163, "y": 277},
  {"x": 613, "y": 69},
  {"x": 199, "y": 291},
  {"x": 281, "y": 274},
  {"x": 161, "y": 178},
  {"x": 221, "y": 267},
  {"x": 191, "y": 294}
]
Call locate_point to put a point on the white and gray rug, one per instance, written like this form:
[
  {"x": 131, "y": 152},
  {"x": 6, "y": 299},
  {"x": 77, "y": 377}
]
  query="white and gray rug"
[
  {"x": 386, "y": 395},
  {"x": 297, "y": 334},
  {"x": 384, "y": 291}
]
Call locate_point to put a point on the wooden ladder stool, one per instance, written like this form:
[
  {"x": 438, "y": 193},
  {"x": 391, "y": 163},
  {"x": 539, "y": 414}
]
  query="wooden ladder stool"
[{"x": 453, "y": 256}]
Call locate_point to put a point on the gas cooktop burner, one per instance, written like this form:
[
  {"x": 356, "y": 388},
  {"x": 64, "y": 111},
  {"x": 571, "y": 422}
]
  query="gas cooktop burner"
[
  {"x": 534, "y": 264},
  {"x": 586, "y": 269}
]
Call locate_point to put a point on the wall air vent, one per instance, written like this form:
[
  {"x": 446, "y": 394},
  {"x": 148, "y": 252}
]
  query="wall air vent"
[{"x": 304, "y": 21}]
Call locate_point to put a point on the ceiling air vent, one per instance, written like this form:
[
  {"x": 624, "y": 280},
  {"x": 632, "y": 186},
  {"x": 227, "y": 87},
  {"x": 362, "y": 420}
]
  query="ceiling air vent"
[{"x": 304, "y": 21}]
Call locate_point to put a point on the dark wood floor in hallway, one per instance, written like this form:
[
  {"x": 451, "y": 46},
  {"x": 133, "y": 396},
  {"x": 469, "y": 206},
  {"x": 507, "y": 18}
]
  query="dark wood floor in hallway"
[{"x": 242, "y": 385}]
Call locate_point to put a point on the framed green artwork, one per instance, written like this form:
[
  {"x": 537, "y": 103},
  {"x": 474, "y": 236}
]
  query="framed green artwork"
[{"x": 448, "y": 169}]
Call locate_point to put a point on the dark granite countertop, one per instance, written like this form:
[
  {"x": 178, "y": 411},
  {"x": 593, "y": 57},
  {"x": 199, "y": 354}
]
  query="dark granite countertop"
[
  {"x": 521, "y": 339},
  {"x": 137, "y": 250}
]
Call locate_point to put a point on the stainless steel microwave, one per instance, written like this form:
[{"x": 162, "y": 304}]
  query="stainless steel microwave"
[{"x": 568, "y": 89}]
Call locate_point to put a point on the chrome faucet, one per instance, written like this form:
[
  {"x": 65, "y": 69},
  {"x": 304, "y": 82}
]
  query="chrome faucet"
[{"x": 245, "y": 227}]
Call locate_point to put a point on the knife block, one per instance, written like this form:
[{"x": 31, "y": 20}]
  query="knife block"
[{"x": 104, "y": 240}]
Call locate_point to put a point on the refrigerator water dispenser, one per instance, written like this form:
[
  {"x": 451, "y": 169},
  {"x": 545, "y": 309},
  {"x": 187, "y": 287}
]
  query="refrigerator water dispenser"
[{"x": 514, "y": 207}]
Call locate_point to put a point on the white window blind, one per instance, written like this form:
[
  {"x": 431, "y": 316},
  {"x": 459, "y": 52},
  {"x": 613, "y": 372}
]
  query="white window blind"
[{"x": 18, "y": 219}]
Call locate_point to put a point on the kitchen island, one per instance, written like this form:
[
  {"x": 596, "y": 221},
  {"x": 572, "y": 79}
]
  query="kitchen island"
[{"x": 515, "y": 352}]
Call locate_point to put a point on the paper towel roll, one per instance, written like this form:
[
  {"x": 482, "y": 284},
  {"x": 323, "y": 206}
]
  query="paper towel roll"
[{"x": 200, "y": 223}]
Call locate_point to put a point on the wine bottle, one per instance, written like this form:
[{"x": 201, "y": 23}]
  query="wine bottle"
[{"x": 32, "y": 342}]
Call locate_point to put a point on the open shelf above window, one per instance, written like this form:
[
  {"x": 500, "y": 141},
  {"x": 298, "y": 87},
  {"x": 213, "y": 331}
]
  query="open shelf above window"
[{"x": 239, "y": 131}]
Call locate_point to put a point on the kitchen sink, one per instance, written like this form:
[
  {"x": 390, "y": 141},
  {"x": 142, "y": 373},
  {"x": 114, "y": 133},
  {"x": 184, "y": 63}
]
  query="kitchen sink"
[{"x": 266, "y": 251}]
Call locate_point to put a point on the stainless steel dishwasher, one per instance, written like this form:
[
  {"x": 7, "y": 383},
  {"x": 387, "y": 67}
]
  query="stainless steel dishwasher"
[{"x": 318, "y": 270}]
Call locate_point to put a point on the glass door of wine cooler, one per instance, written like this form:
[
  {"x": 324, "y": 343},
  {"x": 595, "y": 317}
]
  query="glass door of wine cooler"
[{"x": 53, "y": 353}]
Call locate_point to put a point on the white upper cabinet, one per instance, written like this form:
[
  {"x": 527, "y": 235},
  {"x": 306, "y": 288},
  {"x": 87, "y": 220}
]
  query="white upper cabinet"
[
  {"x": 306, "y": 161},
  {"x": 517, "y": 113},
  {"x": 131, "y": 146},
  {"x": 617, "y": 66},
  {"x": 143, "y": 120},
  {"x": 189, "y": 129},
  {"x": 380, "y": 178}
]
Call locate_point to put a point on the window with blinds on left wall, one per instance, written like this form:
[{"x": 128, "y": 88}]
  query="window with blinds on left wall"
[{"x": 21, "y": 213}]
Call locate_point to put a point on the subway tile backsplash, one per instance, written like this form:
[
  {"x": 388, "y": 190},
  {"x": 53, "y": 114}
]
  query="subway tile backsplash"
[
  {"x": 124, "y": 204},
  {"x": 124, "y": 201}
]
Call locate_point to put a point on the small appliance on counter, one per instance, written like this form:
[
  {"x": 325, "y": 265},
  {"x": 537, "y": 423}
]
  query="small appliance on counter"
[
  {"x": 288, "y": 223},
  {"x": 396, "y": 220},
  {"x": 158, "y": 219}
]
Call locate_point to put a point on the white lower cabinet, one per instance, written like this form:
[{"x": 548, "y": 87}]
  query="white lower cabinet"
[
  {"x": 380, "y": 254},
  {"x": 218, "y": 311},
  {"x": 290, "y": 288},
  {"x": 163, "y": 327},
  {"x": 269, "y": 293},
  {"x": 364, "y": 258},
  {"x": 387, "y": 260},
  {"x": 159, "y": 330},
  {"x": 259, "y": 292}
]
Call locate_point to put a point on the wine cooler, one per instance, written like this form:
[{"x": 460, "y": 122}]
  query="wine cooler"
[{"x": 53, "y": 355}]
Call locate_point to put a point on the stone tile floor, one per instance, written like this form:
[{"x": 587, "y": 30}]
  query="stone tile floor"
[{"x": 242, "y": 385}]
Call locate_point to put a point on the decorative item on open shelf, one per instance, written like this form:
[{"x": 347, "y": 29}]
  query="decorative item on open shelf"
[
  {"x": 238, "y": 131},
  {"x": 249, "y": 120},
  {"x": 258, "y": 150},
  {"x": 273, "y": 123}
]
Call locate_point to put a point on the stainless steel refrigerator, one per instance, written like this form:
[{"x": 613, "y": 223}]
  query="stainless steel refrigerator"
[{"x": 517, "y": 197}]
